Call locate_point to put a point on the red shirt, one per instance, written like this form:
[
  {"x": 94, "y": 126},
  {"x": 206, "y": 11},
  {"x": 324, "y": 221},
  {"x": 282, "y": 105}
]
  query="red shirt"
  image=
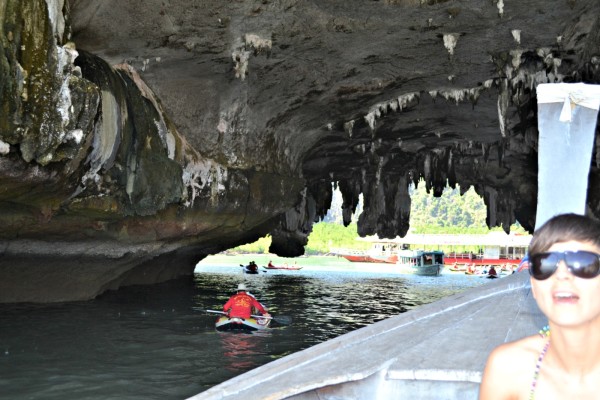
[{"x": 241, "y": 305}]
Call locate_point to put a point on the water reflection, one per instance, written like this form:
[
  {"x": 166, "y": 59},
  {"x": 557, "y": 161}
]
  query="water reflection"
[{"x": 241, "y": 350}]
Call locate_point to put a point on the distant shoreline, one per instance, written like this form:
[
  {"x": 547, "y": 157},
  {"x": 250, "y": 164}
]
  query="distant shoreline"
[
  {"x": 263, "y": 259},
  {"x": 308, "y": 263}
]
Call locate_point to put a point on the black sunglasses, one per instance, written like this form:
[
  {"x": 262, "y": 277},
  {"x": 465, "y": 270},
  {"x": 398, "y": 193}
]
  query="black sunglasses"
[{"x": 582, "y": 264}]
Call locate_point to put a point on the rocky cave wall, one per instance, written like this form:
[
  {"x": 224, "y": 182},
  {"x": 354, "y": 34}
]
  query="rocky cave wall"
[{"x": 137, "y": 137}]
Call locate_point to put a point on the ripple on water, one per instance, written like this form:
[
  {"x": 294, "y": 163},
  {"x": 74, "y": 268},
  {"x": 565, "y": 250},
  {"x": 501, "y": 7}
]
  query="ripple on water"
[{"x": 158, "y": 343}]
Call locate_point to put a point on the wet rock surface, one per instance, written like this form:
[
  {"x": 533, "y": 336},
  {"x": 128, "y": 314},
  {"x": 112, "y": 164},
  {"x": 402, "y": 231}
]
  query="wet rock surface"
[{"x": 137, "y": 137}]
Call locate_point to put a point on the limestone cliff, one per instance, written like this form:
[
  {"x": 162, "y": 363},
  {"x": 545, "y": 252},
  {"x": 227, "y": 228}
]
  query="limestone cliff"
[{"x": 136, "y": 137}]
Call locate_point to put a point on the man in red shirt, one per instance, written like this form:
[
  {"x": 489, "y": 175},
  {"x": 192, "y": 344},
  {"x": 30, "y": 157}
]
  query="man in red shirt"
[{"x": 241, "y": 304}]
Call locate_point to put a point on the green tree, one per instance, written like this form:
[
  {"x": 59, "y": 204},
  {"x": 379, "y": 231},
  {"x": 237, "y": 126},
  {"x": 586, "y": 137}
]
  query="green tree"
[{"x": 450, "y": 213}]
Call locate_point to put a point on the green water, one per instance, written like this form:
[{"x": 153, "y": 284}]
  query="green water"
[{"x": 158, "y": 342}]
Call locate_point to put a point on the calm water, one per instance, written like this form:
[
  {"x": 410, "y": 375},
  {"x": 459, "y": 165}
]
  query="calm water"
[{"x": 158, "y": 343}]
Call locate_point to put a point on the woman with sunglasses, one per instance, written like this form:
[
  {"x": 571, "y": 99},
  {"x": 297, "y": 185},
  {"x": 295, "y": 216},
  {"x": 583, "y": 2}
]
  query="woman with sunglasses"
[{"x": 563, "y": 361}]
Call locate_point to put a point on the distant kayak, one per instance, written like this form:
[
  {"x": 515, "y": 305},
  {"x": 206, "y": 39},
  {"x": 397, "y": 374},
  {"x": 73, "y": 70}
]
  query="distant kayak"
[
  {"x": 250, "y": 268},
  {"x": 294, "y": 268},
  {"x": 250, "y": 271}
]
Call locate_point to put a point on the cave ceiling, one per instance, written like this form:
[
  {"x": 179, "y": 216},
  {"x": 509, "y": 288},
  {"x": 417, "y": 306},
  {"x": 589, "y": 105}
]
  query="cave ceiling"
[{"x": 195, "y": 126}]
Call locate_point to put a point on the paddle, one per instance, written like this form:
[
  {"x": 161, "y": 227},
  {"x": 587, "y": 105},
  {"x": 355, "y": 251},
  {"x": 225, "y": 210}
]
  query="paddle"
[{"x": 280, "y": 319}]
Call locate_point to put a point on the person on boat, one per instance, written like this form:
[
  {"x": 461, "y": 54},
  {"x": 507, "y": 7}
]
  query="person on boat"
[
  {"x": 270, "y": 265},
  {"x": 492, "y": 271},
  {"x": 563, "y": 360},
  {"x": 252, "y": 267},
  {"x": 471, "y": 270},
  {"x": 241, "y": 304}
]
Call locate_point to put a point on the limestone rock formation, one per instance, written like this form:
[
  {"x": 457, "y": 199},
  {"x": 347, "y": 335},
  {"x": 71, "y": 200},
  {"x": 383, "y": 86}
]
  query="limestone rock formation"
[{"x": 136, "y": 137}]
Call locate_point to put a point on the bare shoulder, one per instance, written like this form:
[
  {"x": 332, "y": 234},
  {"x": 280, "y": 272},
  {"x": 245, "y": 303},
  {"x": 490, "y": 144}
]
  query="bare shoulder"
[
  {"x": 517, "y": 352},
  {"x": 509, "y": 369}
]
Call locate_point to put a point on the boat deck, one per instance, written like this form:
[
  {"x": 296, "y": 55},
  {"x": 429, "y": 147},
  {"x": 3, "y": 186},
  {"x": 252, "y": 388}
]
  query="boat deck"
[
  {"x": 448, "y": 260},
  {"x": 435, "y": 351}
]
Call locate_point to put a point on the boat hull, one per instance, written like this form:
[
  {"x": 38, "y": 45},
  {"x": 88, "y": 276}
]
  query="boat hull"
[
  {"x": 366, "y": 258},
  {"x": 226, "y": 324},
  {"x": 423, "y": 270},
  {"x": 249, "y": 271},
  {"x": 429, "y": 270},
  {"x": 392, "y": 259},
  {"x": 420, "y": 262},
  {"x": 355, "y": 257}
]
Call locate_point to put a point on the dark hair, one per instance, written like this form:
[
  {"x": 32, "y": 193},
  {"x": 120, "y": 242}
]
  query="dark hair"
[{"x": 564, "y": 228}]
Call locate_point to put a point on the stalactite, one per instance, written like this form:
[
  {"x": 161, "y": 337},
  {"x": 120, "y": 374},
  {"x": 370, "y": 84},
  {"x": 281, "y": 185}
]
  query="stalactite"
[
  {"x": 374, "y": 201},
  {"x": 450, "y": 168},
  {"x": 439, "y": 177},
  {"x": 386, "y": 207},
  {"x": 322, "y": 193},
  {"x": 351, "y": 191},
  {"x": 427, "y": 170}
]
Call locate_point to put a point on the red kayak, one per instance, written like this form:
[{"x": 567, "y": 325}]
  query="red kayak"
[{"x": 293, "y": 268}]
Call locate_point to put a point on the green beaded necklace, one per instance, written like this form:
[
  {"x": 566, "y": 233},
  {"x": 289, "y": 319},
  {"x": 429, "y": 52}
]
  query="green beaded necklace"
[{"x": 545, "y": 333}]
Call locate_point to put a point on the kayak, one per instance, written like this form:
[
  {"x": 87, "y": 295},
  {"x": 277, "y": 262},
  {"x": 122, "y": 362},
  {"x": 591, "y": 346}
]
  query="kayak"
[
  {"x": 282, "y": 267},
  {"x": 249, "y": 271},
  {"x": 224, "y": 323}
]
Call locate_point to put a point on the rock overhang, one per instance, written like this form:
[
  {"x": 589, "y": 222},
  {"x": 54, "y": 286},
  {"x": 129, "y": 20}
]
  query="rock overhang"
[{"x": 270, "y": 103}]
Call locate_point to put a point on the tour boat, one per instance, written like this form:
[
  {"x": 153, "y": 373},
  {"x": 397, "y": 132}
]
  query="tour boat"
[
  {"x": 420, "y": 262},
  {"x": 377, "y": 254},
  {"x": 495, "y": 248},
  {"x": 466, "y": 259}
]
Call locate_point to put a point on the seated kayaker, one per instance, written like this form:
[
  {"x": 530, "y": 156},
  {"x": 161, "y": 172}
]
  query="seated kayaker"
[
  {"x": 492, "y": 271},
  {"x": 270, "y": 265},
  {"x": 240, "y": 304},
  {"x": 252, "y": 267}
]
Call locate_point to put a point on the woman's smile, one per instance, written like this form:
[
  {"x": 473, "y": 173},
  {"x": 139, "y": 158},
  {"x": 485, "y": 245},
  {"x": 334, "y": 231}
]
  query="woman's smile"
[{"x": 565, "y": 297}]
